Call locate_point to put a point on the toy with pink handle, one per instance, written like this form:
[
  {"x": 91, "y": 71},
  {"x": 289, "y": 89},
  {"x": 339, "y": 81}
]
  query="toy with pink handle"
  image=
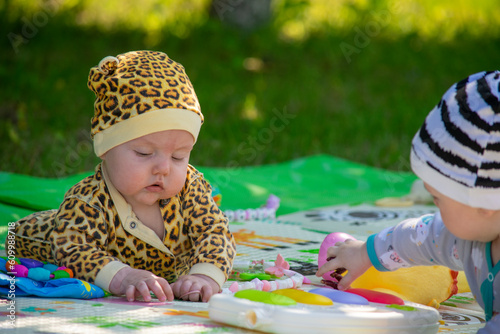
[
  {"x": 330, "y": 280},
  {"x": 330, "y": 240}
]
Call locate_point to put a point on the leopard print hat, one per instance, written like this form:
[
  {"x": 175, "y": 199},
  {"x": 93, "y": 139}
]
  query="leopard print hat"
[{"x": 138, "y": 93}]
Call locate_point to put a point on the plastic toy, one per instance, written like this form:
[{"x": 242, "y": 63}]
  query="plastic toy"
[
  {"x": 330, "y": 240},
  {"x": 279, "y": 269},
  {"x": 36, "y": 270},
  {"x": 340, "y": 296},
  {"x": 377, "y": 297},
  {"x": 62, "y": 287},
  {"x": 411, "y": 284},
  {"x": 265, "y": 297},
  {"x": 266, "y": 212},
  {"x": 338, "y": 318},
  {"x": 304, "y": 297},
  {"x": 35, "y": 278}
]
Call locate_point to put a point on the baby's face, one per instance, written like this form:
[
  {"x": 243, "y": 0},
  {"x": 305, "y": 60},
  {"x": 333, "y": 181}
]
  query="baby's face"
[{"x": 150, "y": 168}]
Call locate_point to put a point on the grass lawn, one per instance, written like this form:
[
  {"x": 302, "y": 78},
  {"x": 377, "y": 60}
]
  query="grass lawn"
[{"x": 270, "y": 95}]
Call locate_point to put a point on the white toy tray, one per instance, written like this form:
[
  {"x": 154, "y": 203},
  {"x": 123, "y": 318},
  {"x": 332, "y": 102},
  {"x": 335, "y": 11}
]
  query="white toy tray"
[{"x": 339, "y": 318}]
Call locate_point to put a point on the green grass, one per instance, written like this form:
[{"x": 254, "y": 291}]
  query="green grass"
[{"x": 366, "y": 110}]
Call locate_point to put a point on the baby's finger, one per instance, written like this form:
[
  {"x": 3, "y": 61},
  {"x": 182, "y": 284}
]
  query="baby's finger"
[
  {"x": 194, "y": 293},
  {"x": 189, "y": 292},
  {"x": 328, "y": 266},
  {"x": 332, "y": 251},
  {"x": 181, "y": 290},
  {"x": 345, "y": 282},
  {"x": 192, "y": 296},
  {"x": 130, "y": 293},
  {"x": 175, "y": 288},
  {"x": 206, "y": 293},
  {"x": 143, "y": 290},
  {"x": 157, "y": 289},
  {"x": 167, "y": 289}
]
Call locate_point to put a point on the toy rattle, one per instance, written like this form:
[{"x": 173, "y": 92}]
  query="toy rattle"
[{"x": 331, "y": 278}]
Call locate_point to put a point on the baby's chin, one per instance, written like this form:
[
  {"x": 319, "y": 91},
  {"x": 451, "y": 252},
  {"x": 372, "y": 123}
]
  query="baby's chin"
[{"x": 151, "y": 198}]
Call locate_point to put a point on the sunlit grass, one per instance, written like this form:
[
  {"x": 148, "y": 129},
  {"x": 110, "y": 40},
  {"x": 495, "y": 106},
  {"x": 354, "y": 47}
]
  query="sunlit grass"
[
  {"x": 364, "y": 106},
  {"x": 441, "y": 20}
]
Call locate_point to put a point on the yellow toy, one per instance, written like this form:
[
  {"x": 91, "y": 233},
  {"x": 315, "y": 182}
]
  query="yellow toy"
[
  {"x": 424, "y": 285},
  {"x": 427, "y": 285}
]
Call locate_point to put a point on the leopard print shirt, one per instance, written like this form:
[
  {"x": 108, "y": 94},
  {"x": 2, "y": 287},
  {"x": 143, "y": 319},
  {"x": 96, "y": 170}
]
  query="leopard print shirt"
[{"x": 86, "y": 233}]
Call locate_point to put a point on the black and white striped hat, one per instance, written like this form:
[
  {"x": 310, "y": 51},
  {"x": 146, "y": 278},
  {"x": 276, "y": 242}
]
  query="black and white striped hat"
[{"x": 457, "y": 149}]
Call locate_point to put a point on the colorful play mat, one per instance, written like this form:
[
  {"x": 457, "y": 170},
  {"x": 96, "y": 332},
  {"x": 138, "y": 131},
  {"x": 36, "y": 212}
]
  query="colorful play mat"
[{"x": 318, "y": 195}]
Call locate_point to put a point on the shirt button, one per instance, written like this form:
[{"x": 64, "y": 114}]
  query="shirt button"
[{"x": 133, "y": 225}]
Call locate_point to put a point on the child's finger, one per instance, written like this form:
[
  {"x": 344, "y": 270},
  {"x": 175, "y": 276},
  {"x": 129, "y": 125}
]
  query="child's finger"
[
  {"x": 182, "y": 288},
  {"x": 206, "y": 293},
  {"x": 157, "y": 289},
  {"x": 333, "y": 250},
  {"x": 345, "y": 282},
  {"x": 130, "y": 293},
  {"x": 167, "y": 289},
  {"x": 328, "y": 266},
  {"x": 194, "y": 293},
  {"x": 143, "y": 290}
]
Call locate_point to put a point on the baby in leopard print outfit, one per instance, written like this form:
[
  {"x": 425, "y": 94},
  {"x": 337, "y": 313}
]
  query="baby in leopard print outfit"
[{"x": 145, "y": 217}]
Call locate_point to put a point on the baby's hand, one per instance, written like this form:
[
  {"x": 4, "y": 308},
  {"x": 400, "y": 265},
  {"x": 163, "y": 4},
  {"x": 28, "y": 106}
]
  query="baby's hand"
[
  {"x": 195, "y": 288},
  {"x": 135, "y": 283},
  {"x": 351, "y": 255}
]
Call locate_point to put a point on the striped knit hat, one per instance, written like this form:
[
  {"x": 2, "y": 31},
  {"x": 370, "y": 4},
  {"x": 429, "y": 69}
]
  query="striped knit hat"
[{"x": 457, "y": 150}]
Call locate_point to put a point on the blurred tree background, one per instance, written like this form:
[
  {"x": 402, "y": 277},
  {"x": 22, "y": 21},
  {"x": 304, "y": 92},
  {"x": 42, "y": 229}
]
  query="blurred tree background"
[{"x": 276, "y": 79}]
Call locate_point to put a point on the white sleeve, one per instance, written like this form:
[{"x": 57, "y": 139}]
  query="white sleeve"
[
  {"x": 416, "y": 241},
  {"x": 491, "y": 326}
]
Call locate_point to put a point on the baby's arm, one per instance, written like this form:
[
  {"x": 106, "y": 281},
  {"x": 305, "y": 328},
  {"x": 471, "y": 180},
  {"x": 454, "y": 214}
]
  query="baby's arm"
[
  {"x": 415, "y": 241},
  {"x": 80, "y": 244},
  {"x": 135, "y": 283},
  {"x": 351, "y": 255},
  {"x": 195, "y": 287}
]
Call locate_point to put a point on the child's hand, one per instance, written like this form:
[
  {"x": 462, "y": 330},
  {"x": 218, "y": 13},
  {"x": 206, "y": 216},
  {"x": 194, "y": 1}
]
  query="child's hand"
[
  {"x": 351, "y": 255},
  {"x": 135, "y": 283},
  {"x": 195, "y": 288}
]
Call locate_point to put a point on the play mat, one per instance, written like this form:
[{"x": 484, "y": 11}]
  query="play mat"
[{"x": 318, "y": 195}]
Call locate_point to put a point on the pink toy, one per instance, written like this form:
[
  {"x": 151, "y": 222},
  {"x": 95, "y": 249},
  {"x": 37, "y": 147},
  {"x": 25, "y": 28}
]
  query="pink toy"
[
  {"x": 330, "y": 240},
  {"x": 279, "y": 266}
]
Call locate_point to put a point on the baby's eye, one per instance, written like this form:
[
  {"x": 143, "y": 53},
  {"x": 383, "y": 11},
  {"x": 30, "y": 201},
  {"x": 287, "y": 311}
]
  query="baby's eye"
[
  {"x": 142, "y": 154},
  {"x": 178, "y": 158}
]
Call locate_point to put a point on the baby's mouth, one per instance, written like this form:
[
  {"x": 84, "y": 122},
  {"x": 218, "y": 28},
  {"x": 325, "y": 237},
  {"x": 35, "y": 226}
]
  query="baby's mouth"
[{"x": 155, "y": 187}]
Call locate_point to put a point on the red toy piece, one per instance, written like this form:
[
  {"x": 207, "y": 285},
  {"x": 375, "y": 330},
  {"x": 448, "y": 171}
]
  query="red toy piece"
[{"x": 377, "y": 297}]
